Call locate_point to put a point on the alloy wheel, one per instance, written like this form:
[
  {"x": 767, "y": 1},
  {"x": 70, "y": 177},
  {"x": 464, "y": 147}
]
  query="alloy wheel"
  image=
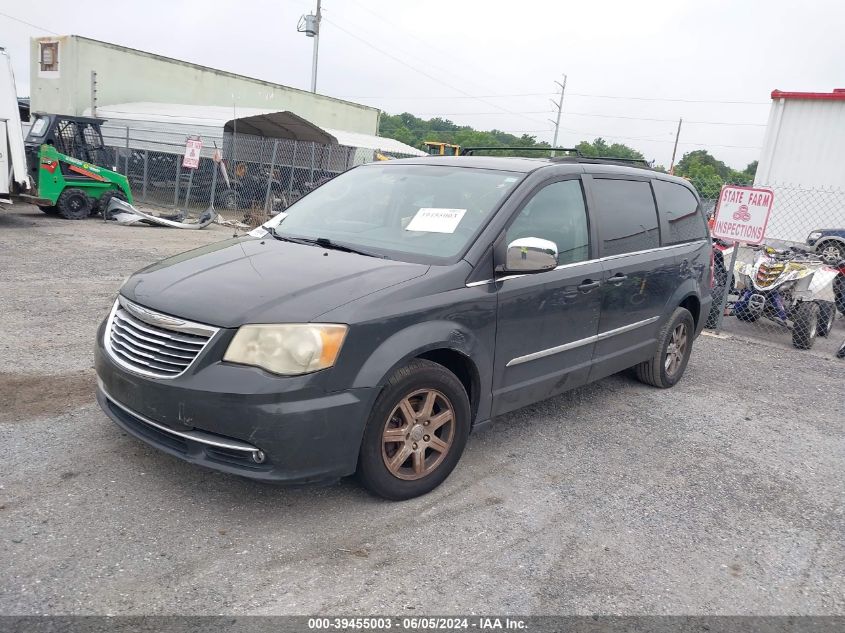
[
  {"x": 418, "y": 434},
  {"x": 677, "y": 349},
  {"x": 831, "y": 254}
]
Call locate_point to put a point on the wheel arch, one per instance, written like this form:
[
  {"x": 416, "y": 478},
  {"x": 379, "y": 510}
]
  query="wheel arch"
[{"x": 455, "y": 347}]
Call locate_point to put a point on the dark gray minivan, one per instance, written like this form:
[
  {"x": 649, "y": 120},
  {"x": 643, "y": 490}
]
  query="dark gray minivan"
[{"x": 399, "y": 306}]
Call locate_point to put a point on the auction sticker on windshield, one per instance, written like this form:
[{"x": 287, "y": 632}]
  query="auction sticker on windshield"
[
  {"x": 742, "y": 214},
  {"x": 434, "y": 220}
]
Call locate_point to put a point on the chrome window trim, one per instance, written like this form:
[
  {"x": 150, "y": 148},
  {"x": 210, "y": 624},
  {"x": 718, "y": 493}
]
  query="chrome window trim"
[
  {"x": 206, "y": 330},
  {"x": 608, "y": 258},
  {"x": 580, "y": 342},
  {"x": 196, "y": 436}
]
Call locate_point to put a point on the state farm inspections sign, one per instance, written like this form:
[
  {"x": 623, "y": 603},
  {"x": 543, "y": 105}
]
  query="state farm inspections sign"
[{"x": 742, "y": 214}]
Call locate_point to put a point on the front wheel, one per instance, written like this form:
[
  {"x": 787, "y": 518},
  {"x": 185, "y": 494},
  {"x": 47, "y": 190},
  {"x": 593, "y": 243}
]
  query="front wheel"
[
  {"x": 74, "y": 204},
  {"x": 416, "y": 432},
  {"x": 805, "y": 324},
  {"x": 831, "y": 252},
  {"x": 674, "y": 346}
]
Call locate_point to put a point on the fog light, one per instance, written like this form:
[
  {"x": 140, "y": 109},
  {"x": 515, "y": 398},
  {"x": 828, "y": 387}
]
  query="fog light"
[{"x": 258, "y": 457}]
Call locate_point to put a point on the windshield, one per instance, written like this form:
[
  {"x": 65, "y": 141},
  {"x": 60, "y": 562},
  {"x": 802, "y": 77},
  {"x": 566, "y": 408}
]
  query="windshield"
[{"x": 416, "y": 212}]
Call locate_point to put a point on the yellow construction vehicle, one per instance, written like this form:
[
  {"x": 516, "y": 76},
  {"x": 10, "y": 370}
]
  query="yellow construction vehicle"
[{"x": 435, "y": 148}]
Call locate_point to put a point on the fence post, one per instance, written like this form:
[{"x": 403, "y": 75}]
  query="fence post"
[
  {"x": 190, "y": 182},
  {"x": 270, "y": 175},
  {"x": 311, "y": 177},
  {"x": 146, "y": 170},
  {"x": 126, "y": 161},
  {"x": 176, "y": 186},
  {"x": 216, "y": 166},
  {"x": 292, "y": 170}
]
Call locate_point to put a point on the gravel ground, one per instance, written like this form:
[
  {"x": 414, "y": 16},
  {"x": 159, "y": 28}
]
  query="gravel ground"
[{"x": 721, "y": 496}]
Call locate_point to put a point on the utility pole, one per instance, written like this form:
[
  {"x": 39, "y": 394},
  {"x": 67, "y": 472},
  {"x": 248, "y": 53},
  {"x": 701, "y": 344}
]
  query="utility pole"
[
  {"x": 675, "y": 149},
  {"x": 318, "y": 17},
  {"x": 559, "y": 105}
]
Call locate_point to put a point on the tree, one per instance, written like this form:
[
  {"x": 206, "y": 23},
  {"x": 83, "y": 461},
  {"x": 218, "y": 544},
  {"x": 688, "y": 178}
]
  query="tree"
[{"x": 600, "y": 148}]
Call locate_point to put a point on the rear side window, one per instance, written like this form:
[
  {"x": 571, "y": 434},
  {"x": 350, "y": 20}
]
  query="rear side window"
[
  {"x": 627, "y": 219},
  {"x": 680, "y": 209}
]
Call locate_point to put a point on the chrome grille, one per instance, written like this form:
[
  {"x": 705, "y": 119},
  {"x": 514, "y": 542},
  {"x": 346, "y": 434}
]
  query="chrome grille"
[{"x": 151, "y": 343}]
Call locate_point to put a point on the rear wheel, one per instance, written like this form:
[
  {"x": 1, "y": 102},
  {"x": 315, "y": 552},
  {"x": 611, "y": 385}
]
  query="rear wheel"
[
  {"x": 75, "y": 204},
  {"x": 106, "y": 198},
  {"x": 827, "y": 315},
  {"x": 674, "y": 345},
  {"x": 416, "y": 432},
  {"x": 805, "y": 324}
]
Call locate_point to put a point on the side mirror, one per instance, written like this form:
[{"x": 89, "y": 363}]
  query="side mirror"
[{"x": 530, "y": 255}]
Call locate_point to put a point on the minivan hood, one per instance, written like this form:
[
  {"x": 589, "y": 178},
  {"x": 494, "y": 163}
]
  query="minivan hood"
[{"x": 239, "y": 281}]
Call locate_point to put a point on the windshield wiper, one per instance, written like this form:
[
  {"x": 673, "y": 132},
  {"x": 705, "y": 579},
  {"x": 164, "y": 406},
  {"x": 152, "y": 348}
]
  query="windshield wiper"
[{"x": 324, "y": 242}]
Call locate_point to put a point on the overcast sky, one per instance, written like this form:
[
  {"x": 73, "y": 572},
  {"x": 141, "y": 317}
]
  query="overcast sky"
[{"x": 455, "y": 58}]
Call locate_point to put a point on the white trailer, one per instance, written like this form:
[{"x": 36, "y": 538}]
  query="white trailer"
[
  {"x": 12, "y": 157},
  {"x": 803, "y": 162}
]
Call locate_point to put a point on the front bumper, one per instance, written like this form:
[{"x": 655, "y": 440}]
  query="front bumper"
[{"x": 239, "y": 420}]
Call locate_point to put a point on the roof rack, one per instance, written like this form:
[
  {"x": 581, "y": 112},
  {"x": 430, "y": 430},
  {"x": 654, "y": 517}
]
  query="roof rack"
[
  {"x": 470, "y": 151},
  {"x": 578, "y": 157},
  {"x": 609, "y": 160}
]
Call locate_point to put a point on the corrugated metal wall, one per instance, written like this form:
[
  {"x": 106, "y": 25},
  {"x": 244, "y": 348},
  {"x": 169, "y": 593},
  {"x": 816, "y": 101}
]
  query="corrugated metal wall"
[{"x": 803, "y": 162}]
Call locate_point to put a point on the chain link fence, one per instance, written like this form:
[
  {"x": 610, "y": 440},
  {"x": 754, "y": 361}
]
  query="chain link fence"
[
  {"x": 790, "y": 288},
  {"x": 248, "y": 178}
]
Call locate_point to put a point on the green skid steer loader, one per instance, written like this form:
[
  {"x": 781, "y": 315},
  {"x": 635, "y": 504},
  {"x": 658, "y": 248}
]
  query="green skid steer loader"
[{"x": 64, "y": 157}]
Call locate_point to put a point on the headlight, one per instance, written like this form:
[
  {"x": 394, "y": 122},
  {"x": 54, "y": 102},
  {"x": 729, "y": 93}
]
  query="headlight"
[
  {"x": 289, "y": 349},
  {"x": 815, "y": 235}
]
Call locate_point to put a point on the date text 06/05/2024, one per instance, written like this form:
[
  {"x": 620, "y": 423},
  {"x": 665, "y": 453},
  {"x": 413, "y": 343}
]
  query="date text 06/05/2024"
[{"x": 422, "y": 623}]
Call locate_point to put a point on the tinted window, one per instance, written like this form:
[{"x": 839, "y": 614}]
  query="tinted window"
[
  {"x": 680, "y": 208},
  {"x": 627, "y": 219},
  {"x": 556, "y": 213}
]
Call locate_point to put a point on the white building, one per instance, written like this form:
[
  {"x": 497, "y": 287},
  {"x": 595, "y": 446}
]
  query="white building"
[{"x": 803, "y": 162}]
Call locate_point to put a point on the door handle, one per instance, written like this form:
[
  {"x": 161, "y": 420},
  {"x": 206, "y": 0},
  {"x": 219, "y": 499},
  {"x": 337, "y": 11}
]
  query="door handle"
[
  {"x": 588, "y": 284},
  {"x": 618, "y": 278}
]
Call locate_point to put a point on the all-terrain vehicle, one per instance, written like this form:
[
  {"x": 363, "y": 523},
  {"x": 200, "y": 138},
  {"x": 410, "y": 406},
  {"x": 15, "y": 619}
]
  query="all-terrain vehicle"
[
  {"x": 790, "y": 287},
  {"x": 64, "y": 156}
]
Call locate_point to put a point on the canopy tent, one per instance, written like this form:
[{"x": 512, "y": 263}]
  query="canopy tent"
[{"x": 170, "y": 123}]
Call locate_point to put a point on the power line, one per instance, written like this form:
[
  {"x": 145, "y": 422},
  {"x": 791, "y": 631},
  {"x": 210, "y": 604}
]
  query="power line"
[
  {"x": 440, "y": 114},
  {"x": 591, "y": 114},
  {"x": 422, "y": 72},
  {"x": 426, "y": 43},
  {"x": 35, "y": 26},
  {"x": 549, "y": 94}
]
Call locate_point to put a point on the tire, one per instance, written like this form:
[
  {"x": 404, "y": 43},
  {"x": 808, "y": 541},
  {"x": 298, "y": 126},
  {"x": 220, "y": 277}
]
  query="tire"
[
  {"x": 675, "y": 340},
  {"x": 74, "y": 204},
  {"x": 839, "y": 292},
  {"x": 49, "y": 209},
  {"x": 106, "y": 198},
  {"x": 827, "y": 315},
  {"x": 805, "y": 324},
  {"x": 718, "y": 294},
  {"x": 231, "y": 200},
  {"x": 413, "y": 385},
  {"x": 831, "y": 252}
]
